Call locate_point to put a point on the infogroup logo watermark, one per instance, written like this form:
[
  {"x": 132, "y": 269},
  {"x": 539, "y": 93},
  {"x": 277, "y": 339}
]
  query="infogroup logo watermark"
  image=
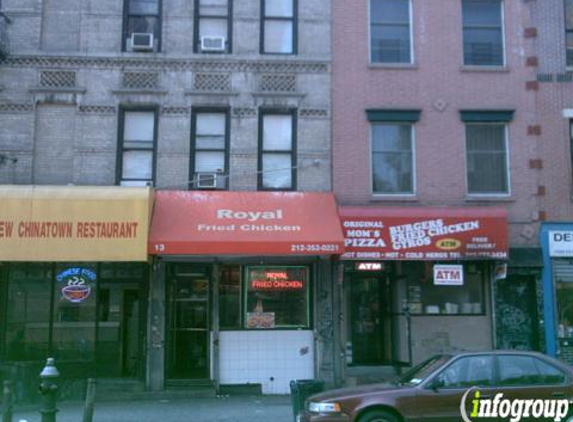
[{"x": 513, "y": 410}]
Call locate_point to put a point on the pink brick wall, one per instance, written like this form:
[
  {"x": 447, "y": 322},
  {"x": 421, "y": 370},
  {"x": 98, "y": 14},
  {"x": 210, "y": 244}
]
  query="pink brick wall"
[{"x": 440, "y": 86}]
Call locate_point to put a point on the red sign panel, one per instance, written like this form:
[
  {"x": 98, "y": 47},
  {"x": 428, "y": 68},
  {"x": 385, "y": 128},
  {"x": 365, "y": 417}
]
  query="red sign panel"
[
  {"x": 424, "y": 233},
  {"x": 245, "y": 223}
]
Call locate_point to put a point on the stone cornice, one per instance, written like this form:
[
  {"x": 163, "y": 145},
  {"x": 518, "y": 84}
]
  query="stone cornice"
[{"x": 152, "y": 62}]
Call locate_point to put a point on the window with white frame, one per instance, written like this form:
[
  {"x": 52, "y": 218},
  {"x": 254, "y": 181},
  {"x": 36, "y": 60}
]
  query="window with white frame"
[
  {"x": 483, "y": 32},
  {"x": 277, "y": 150},
  {"x": 210, "y": 141},
  {"x": 142, "y": 25},
  {"x": 213, "y": 26},
  {"x": 569, "y": 31},
  {"x": 279, "y": 27},
  {"x": 136, "y": 163},
  {"x": 392, "y": 158},
  {"x": 486, "y": 148},
  {"x": 390, "y": 40}
]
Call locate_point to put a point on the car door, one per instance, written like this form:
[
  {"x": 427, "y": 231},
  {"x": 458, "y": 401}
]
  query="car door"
[
  {"x": 529, "y": 377},
  {"x": 440, "y": 398}
]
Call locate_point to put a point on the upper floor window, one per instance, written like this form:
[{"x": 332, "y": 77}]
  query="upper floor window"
[
  {"x": 279, "y": 26},
  {"x": 142, "y": 25},
  {"x": 487, "y": 152},
  {"x": 569, "y": 30},
  {"x": 137, "y": 145},
  {"x": 390, "y": 39},
  {"x": 392, "y": 141},
  {"x": 483, "y": 32},
  {"x": 213, "y": 26},
  {"x": 277, "y": 150},
  {"x": 209, "y": 148}
]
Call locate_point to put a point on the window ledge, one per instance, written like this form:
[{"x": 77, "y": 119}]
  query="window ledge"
[
  {"x": 40, "y": 89},
  {"x": 216, "y": 93},
  {"x": 485, "y": 69},
  {"x": 393, "y": 66},
  {"x": 394, "y": 198},
  {"x": 489, "y": 199},
  {"x": 140, "y": 91},
  {"x": 267, "y": 94}
]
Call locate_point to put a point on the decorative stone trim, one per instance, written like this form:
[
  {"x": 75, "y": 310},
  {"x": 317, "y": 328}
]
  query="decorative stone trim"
[
  {"x": 97, "y": 109},
  {"x": 277, "y": 83},
  {"x": 140, "y": 91},
  {"x": 241, "y": 112},
  {"x": 120, "y": 63},
  {"x": 57, "y": 79},
  {"x": 311, "y": 113},
  {"x": 16, "y": 108},
  {"x": 175, "y": 111},
  {"x": 140, "y": 80},
  {"x": 208, "y": 82}
]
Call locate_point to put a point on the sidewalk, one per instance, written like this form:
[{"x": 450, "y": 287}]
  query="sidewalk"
[{"x": 219, "y": 409}]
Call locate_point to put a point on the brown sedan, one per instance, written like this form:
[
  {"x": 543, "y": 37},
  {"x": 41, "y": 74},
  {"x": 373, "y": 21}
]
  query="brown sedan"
[{"x": 488, "y": 383}]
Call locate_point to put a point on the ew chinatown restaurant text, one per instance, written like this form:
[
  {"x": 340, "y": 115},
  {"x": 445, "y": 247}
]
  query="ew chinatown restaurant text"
[{"x": 418, "y": 281}]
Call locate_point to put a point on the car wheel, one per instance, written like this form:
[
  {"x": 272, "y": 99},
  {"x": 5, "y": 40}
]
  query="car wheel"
[{"x": 379, "y": 416}]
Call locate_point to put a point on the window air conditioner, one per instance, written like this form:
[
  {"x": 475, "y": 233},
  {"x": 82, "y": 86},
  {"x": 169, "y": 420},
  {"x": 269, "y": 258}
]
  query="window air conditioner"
[
  {"x": 141, "y": 41},
  {"x": 215, "y": 44},
  {"x": 206, "y": 180}
]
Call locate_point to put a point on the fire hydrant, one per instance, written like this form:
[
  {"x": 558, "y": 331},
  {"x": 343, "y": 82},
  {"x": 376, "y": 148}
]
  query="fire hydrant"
[{"x": 49, "y": 391}]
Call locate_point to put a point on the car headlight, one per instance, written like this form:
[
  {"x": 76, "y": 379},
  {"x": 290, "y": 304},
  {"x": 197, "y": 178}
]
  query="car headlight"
[{"x": 324, "y": 407}]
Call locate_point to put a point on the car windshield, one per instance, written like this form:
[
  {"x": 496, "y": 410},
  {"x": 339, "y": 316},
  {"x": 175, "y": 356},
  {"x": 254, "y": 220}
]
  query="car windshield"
[{"x": 419, "y": 372}]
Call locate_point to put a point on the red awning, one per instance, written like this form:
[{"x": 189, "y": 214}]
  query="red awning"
[
  {"x": 424, "y": 233},
  {"x": 245, "y": 223}
]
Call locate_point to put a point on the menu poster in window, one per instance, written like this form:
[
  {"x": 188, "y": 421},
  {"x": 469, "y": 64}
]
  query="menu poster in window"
[
  {"x": 260, "y": 320},
  {"x": 76, "y": 284},
  {"x": 448, "y": 275}
]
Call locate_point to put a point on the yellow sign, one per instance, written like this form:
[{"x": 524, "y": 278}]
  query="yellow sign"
[{"x": 79, "y": 223}]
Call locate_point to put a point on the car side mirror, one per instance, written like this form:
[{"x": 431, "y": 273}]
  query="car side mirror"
[{"x": 436, "y": 384}]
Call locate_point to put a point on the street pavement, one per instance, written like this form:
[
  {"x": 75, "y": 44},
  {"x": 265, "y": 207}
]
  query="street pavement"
[{"x": 217, "y": 409}]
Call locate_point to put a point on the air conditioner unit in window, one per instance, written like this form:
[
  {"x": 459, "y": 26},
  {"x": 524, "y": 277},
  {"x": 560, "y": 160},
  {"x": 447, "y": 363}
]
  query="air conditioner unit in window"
[
  {"x": 206, "y": 180},
  {"x": 214, "y": 44},
  {"x": 141, "y": 41}
]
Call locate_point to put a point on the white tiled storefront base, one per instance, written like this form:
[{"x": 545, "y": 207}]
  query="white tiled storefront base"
[{"x": 271, "y": 358}]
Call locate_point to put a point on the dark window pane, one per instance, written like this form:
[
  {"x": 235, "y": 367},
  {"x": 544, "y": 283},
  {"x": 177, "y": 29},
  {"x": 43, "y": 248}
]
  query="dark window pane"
[
  {"x": 28, "y": 313},
  {"x": 144, "y": 7},
  {"x": 277, "y": 297},
  {"x": 230, "y": 297},
  {"x": 569, "y": 48},
  {"x": 481, "y": 12},
  {"x": 483, "y": 47},
  {"x": 486, "y": 159},
  {"x": 74, "y": 312},
  {"x": 569, "y": 14},
  {"x": 390, "y": 11},
  {"x": 392, "y": 155},
  {"x": 390, "y": 44},
  {"x": 468, "y": 372},
  {"x": 142, "y": 25}
]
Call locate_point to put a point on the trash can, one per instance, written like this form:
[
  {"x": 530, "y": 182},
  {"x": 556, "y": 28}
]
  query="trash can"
[{"x": 300, "y": 390}]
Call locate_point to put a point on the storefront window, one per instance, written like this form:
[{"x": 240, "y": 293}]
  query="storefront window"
[
  {"x": 74, "y": 312},
  {"x": 230, "y": 297},
  {"x": 277, "y": 297},
  {"x": 565, "y": 309},
  {"x": 457, "y": 290},
  {"x": 28, "y": 312}
]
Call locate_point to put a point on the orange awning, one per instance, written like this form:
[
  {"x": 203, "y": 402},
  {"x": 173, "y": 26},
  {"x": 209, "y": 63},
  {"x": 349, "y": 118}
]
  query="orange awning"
[{"x": 245, "y": 223}]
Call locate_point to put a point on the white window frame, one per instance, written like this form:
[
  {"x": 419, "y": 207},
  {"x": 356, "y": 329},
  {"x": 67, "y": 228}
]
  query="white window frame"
[
  {"x": 503, "y": 43},
  {"x": 369, "y": 41},
  {"x": 414, "y": 161},
  {"x": 507, "y": 162}
]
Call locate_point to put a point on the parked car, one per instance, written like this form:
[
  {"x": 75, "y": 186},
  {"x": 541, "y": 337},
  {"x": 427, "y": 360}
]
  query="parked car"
[{"x": 433, "y": 391}]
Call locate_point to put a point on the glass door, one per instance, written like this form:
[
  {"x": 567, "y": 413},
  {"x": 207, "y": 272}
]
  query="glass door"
[
  {"x": 189, "y": 322},
  {"x": 369, "y": 321}
]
